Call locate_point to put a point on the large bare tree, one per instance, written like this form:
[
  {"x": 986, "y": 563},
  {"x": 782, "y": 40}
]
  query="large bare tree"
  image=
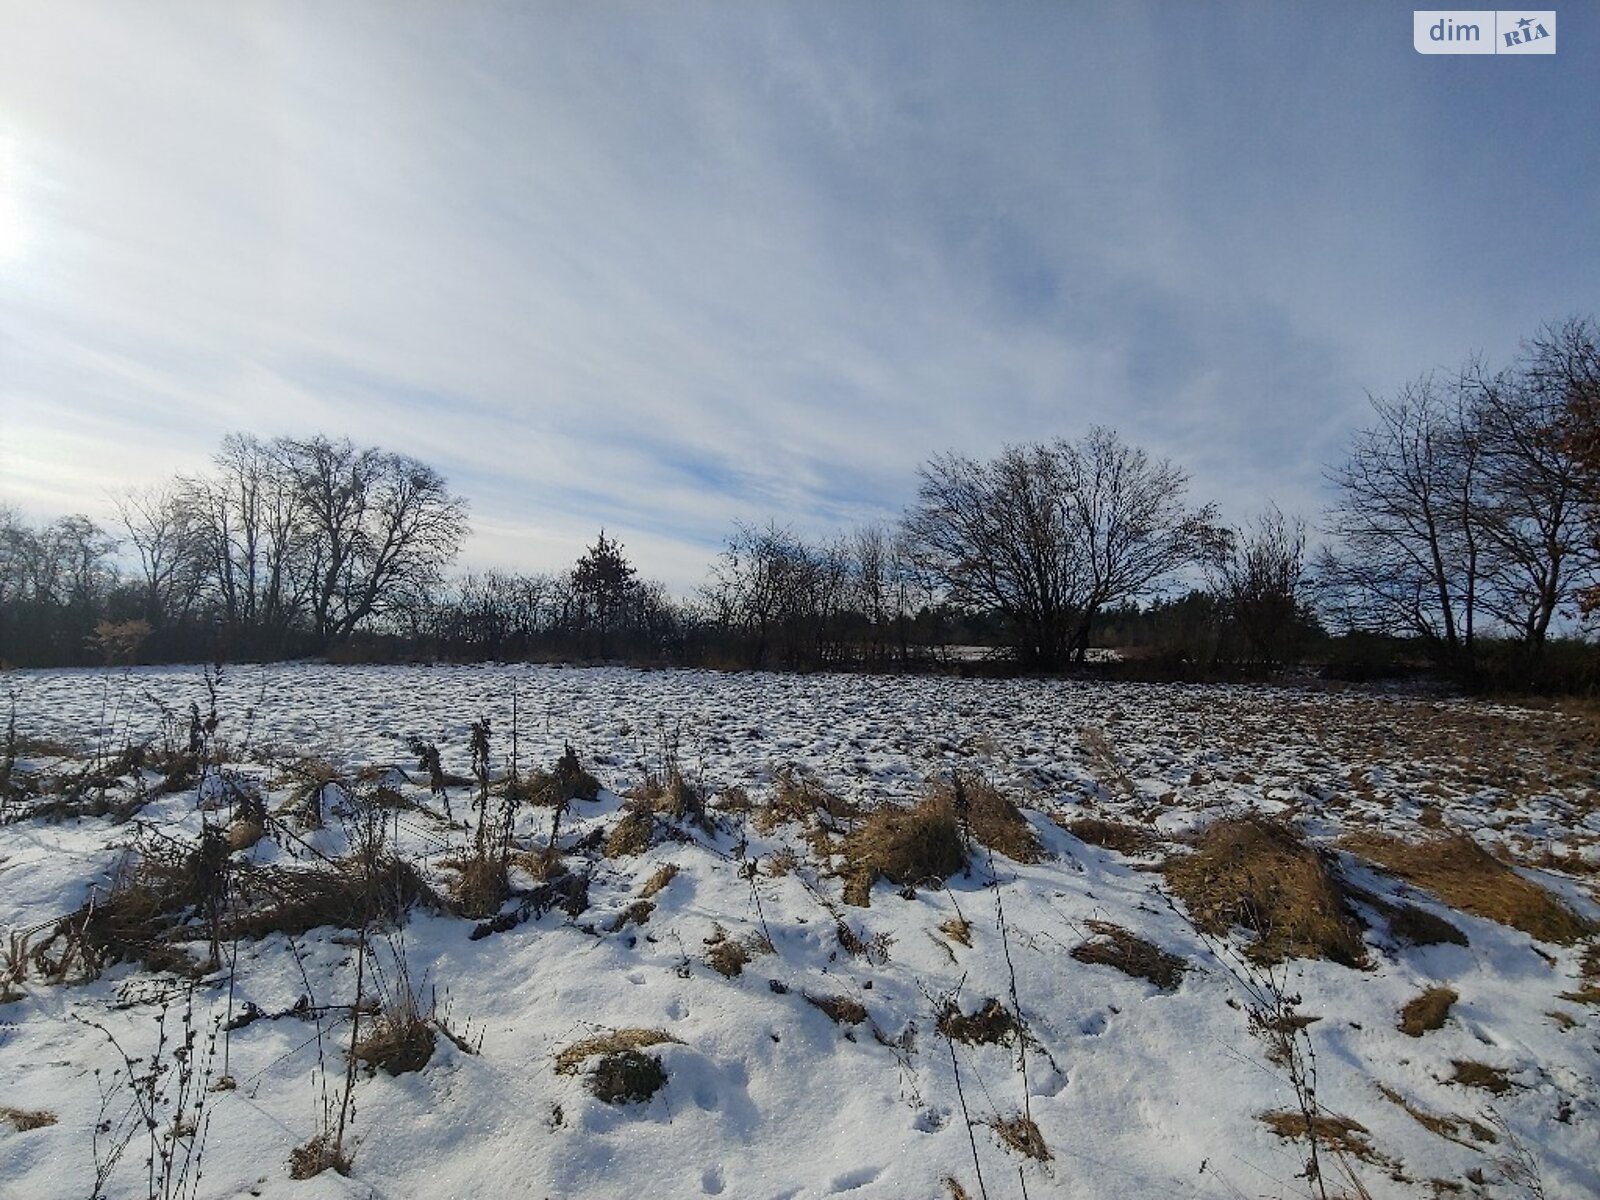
[{"x": 1049, "y": 535}]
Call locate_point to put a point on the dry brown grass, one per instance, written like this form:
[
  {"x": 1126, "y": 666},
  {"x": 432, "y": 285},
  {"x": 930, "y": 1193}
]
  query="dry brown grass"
[
  {"x": 908, "y": 846},
  {"x": 1449, "y": 1128},
  {"x": 617, "y": 1041},
  {"x": 627, "y": 1077},
  {"x": 993, "y": 1022},
  {"x": 636, "y": 832},
  {"x": 1114, "y": 946},
  {"x": 637, "y": 913},
  {"x": 1470, "y": 1073},
  {"x": 1419, "y": 927},
  {"x": 479, "y": 886},
  {"x": 957, "y": 929},
  {"x": 992, "y": 819},
  {"x": 1109, "y": 835},
  {"x": 396, "y": 1042},
  {"x": 24, "y": 1119},
  {"x": 244, "y": 833},
  {"x": 1020, "y": 1134},
  {"x": 727, "y": 956},
  {"x": 320, "y": 1154},
  {"x": 1257, "y": 874},
  {"x": 664, "y": 874},
  {"x": 1340, "y": 1134},
  {"x": 1588, "y": 991},
  {"x": 1465, "y": 876},
  {"x": 280, "y": 900},
  {"x": 1426, "y": 1011},
  {"x": 799, "y": 800},
  {"x": 841, "y": 1010}
]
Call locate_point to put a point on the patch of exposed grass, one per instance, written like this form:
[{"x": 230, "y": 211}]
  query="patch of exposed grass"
[
  {"x": 1426, "y": 1011},
  {"x": 1465, "y": 876},
  {"x": 992, "y": 819},
  {"x": 727, "y": 956},
  {"x": 637, "y": 913},
  {"x": 627, "y": 1077},
  {"x": 321, "y": 1153},
  {"x": 396, "y": 1042},
  {"x": 841, "y": 1010},
  {"x": 1019, "y": 1133},
  {"x": 636, "y": 832},
  {"x": 1257, "y": 874},
  {"x": 664, "y": 875},
  {"x": 1418, "y": 927},
  {"x": 24, "y": 1119},
  {"x": 957, "y": 929},
  {"x": 1114, "y": 946},
  {"x": 617, "y": 1041},
  {"x": 1342, "y": 1134},
  {"x": 798, "y": 800},
  {"x": 1588, "y": 991},
  {"x": 1109, "y": 835},
  {"x": 1449, "y": 1128},
  {"x": 908, "y": 846},
  {"x": 1470, "y": 1073},
  {"x": 479, "y": 886},
  {"x": 272, "y": 900},
  {"x": 992, "y": 1023}
]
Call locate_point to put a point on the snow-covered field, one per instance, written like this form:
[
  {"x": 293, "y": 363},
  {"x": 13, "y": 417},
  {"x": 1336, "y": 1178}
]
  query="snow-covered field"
[{"x": 1134, "y": 1090}]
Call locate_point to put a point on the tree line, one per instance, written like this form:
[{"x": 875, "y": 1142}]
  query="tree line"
[{"x": 1465, "y": 527}]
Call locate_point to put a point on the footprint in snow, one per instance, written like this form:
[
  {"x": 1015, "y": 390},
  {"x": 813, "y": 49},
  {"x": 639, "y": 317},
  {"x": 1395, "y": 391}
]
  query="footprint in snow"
[
  {"x": 711, "y": 1183},
  {"x": 1093, "y": 1025},
  {"x": 851, "y": 1180}
]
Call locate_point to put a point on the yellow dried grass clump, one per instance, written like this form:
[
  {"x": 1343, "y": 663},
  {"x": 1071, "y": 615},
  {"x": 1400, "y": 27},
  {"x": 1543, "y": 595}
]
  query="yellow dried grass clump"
[
  {"x": 909, "y": 846},
  {"x": 1465, "y": 876},
  {"x": 617, "y": 1041},
  {"x": 1256, "y": 873}
]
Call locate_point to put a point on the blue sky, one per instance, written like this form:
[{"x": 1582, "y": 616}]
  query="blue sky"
[{"x": 659, "y": 267}]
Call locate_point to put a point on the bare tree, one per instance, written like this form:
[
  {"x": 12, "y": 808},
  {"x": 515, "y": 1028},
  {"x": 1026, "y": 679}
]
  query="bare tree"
[
  {"x": 1260, "y": 581},
  {"x": 171, "y": 554},
  {"x": 1408, "y": 562},
  {"x": 1050, "y": 535}
]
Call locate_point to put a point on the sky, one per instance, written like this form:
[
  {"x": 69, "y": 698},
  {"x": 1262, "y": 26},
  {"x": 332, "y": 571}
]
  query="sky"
[{"x": 663, "y": 267}]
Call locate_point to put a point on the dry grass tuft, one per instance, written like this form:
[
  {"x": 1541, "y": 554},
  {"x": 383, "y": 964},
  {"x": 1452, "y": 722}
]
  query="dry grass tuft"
[
  {"x": 617, "y": 1041},
  {"x": 320, "y": 1154},
  {"x": 798, "y": 800},
  {"x": 664, "y": 875},
  {"x": 992, "y": 820},
  {"x": 841, "y": 1010},
  {"x": 637, "y": 913},
  {"x": 1470, "y": 1073},
  {"x": 480, "y": 885},
  {"x": 1114, "y": 946},
  {"x": 1449, "y": 1128},
  {"x": 1340, "y": 1134},
  {"x": 279, "y": 900},
  {"x": 1021, "y": 1135},
  {"x": 1588, "y": 977},
  {"x": 24, "y": 1119},
  {"x": 1427, "y": 1011},
  {"x": 953, "y": 1186},
  {"x": 397, "y": 1042},
  {"x": 957, "y": 929},
  {"x": 992, "y": 1023},
  {"x": 1110, "y": 835},
  {"x": 627, "y": 1077},
  {"x": 908, "y": 846},
  {"x": 728, "y": 957},
  {"x": 244, "y": 833},
  {"x": 1419, "y": 927},
  {"x": 636, "y": 832},
  {"x": 1255, "y": 873},
  {"x": 1465, "y": 876}
]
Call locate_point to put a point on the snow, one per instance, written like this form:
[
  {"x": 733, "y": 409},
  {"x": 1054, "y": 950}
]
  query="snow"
[{"x": 1137, "y": 1092}]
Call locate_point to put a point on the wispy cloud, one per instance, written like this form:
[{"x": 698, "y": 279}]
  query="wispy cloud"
[{"x": 661, "y": 268}]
